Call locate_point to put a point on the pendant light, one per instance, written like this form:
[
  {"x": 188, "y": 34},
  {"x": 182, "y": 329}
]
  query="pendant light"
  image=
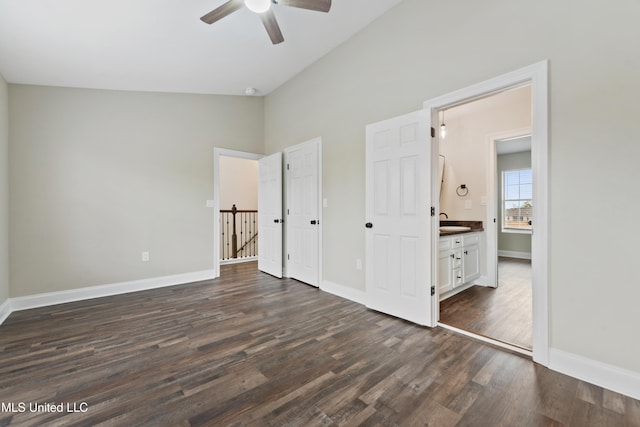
[{"x": 443, "y": 127}]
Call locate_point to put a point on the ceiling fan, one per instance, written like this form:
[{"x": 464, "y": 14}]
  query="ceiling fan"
[{"x": 263, "y": 8}]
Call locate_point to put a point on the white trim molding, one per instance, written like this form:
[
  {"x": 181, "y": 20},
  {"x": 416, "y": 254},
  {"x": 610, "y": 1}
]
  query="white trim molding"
[
  {"x": 71, "y": 295},
  {"x": 485, "y": 281},
  {"x": 5, "y": 310},
  {"x": 346, "y": 292},
  {"x": 515, "y": 254},
  {"x": 238, "y": 260},
  {"x": 601, "y": 374}
]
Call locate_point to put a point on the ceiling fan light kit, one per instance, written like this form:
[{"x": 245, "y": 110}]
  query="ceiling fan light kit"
[
  {"x": 258, "y": 6},
  {"x": 263, "y": 8}
]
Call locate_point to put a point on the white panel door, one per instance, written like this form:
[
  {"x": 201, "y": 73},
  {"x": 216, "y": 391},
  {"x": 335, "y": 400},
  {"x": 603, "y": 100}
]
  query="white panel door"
[
  {"x": 398, "y": 216},
  {"x": 303, "y": 212},
  {"x": 270, "y": 214}
]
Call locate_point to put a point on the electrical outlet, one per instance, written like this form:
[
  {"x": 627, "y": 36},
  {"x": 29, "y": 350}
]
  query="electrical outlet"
[
  {"x": 467, "y": 204},
  {"x": 358, "y": 264},
  {"x": 325, "y": 203},
  {"x": 145, "y": 256}
]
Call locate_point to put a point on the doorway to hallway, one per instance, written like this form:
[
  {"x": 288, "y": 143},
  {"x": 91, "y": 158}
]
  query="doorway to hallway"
[{"x": 229, "y": 188}]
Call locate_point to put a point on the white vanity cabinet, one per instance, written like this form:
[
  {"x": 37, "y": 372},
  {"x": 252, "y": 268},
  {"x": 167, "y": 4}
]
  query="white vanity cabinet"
[
  {"x": 458, "y": 260},
  {"x": 470, "y": 257}
]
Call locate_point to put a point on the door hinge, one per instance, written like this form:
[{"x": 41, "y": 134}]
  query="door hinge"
[
  {"x": 433, "y": 211},
  {"x": 433, "y": 133},
  {"x": 287, "y": 166},
  {"x": 288, "y": 256},
  {"x": 433, "y": 290}
]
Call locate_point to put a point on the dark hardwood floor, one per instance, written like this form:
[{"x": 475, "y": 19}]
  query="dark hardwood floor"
[
  {"x": 251, "y": 350},
  {"x": 503, "y": 313}
]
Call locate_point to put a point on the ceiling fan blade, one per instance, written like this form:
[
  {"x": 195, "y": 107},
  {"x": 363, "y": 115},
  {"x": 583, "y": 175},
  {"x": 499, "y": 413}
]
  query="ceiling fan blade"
[
  {"x": 222, "y": 11},
  {"x": 270, "y": 23},
  {"x": 317, "y": 5}
]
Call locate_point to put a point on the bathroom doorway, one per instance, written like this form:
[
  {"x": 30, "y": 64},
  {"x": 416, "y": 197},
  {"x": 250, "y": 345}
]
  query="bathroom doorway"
[{"x": 487, "y": 140}]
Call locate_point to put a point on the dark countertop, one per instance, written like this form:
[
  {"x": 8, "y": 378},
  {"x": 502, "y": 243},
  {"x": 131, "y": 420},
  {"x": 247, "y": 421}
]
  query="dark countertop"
[{"x": 475, "y": 226}]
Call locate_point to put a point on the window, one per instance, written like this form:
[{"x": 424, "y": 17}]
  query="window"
[{"x": 517, "y": 200}]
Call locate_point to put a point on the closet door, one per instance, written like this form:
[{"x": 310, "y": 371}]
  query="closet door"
[
  {"x": 303, "y": 228},
  {"x": 270, "y": 214}
]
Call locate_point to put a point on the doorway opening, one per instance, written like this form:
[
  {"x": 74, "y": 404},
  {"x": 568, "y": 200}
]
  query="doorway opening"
[
  {"x": 492, "y": 302},
  {"x": 235, "y": 204},
  {"x": 536, "y": 77},
  {"x": 514, "y": 227},
  {"x": 238, "y": 209}
]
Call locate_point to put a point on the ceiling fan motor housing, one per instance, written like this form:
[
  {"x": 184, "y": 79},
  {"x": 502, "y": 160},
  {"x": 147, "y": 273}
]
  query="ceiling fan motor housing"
[{"x": 263, "y": 8}]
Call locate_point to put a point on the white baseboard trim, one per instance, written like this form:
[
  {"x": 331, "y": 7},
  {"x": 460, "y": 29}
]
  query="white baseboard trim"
[
  {"x": 342, "y": 291},
  {"x": 515, "y": 254},
  {"x": 601, "y": 374},
  {"x": 484, "y": 281},
  {"x": 5, "y": 310},
  {"x": 71, "y": 295},
  {"x": 238, "y": 260},
  {"x": 456, "y": 291}
]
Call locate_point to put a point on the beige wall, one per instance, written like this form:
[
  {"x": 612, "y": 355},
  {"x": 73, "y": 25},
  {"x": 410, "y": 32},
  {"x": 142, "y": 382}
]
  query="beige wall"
[
  {"x": 238, "y": 183},
  {"x": 466, "y": 148},
  {"x": 4, "y": 191},
  {"x": 514, "y": 242},
  {"x": 98, "y": 177},
  {"x": 420, "y": 50}
]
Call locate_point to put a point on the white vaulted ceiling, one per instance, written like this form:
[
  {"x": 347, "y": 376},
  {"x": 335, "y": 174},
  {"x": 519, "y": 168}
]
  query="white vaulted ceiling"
[{"x": 161, "y": 45}]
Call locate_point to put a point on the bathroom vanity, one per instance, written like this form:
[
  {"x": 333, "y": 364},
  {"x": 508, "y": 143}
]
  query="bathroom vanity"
[{"x": 459, "y": 256}]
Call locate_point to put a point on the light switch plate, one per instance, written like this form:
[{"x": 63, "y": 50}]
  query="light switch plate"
[
  {"x": 211, "y": 203},
  {"x": 467, "y": 204}
]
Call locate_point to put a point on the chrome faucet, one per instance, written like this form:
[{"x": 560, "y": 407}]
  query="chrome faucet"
[{"x": 445, "y": 215}]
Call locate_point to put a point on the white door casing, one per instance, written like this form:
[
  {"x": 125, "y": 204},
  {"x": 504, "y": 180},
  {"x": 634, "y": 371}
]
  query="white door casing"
[
  {"x": 270, "y": 214},
  {"x": 537, "y": 76},
  {"x": 303, "y": 222},
  {"x": 398, "y": 215}
]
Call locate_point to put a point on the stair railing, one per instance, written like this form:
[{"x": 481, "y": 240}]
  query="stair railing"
[{"x": 246, "y": 222}]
